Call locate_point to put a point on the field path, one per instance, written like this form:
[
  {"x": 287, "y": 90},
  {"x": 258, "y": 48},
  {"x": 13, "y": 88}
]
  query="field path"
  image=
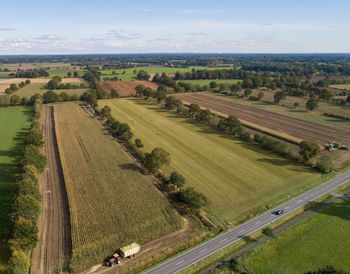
[{"x": 54, "y": 247}]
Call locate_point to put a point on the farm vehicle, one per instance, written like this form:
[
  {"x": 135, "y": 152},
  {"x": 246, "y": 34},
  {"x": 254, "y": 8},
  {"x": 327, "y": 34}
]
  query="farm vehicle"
[
  {"x": 124, "y": 252},
  {"x": 333, "y": 145}
]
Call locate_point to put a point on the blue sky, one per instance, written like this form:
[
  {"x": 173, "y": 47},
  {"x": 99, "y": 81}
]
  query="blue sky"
[{"x": 102, "y": 26}]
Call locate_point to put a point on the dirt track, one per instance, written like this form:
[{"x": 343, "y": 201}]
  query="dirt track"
[
  {"x": 284, "y": 124},
  {"x": 54, "y": 247}
]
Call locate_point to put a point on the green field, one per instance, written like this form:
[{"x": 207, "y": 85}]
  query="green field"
[
  {"x": 286, "y": 108},
  {"x": 63, "y": 73},
  {"x": 129, "y": 74},
  {"x": 32, "y": 89},
  {"x": 13, "y": 124},
  {"x": 111, "y": 203},
  {"x": 236, "y": 176},
  {"x": 319, "y": 240},
  {"x": 207, "y": 82}
]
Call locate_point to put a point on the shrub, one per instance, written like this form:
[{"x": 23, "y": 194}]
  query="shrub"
[
  {"x": 32, "y": 156},
  {"x": 177, "y": 179},
  {"x": 28, "y": 187},
  {"x": 26, "y": 206},
  {"x": 192, "y": 198},
  {"x": 25, "y": 235},
  {"x": 19, "y": 262},
  {"x": 325, "y": 164},
  {"x": 30, "y": 172},
  {"x": 138, "y": 143}
]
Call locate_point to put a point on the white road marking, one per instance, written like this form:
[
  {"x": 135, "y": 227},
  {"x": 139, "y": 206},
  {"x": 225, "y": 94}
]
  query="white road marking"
[
  {"x": 223, "y": 240},
  {"x": 258, "y": 222},
  {"x": 180, "y": 262},
  {"x": 241, "y": 231},
  {"x": 202, "y": 251},
  {"x": 299, "y": 201},
  {"x": 287, "y": 207}
]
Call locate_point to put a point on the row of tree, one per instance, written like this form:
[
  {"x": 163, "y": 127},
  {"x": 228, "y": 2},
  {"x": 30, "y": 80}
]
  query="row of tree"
[
  {"x": 153, "y": 161},
  {"x": 34, "y": 73},
  {"x": 26, "y": 207},
  {"x": 231, "y": 125},
  {"x": 13, "y": 87}
]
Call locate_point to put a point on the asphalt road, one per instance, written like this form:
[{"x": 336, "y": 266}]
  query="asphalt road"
[{"x": 200, "y": 252}]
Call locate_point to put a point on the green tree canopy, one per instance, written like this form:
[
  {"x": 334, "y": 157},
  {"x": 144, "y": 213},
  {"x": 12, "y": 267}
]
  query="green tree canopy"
[
  {"x": 154, "y": 160},
  {"x": 308, "y": 150}
]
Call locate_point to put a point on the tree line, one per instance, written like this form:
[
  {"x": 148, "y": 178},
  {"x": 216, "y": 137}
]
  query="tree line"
[
  {"x": 232, "y": 126},
  {"x": 26, "y": 207},
  {"x": 55, "y": 83},
  {"x": 13, "y": 87},
  {"x": 34, "y": 73},
  {"x": 153, "y": 161}
]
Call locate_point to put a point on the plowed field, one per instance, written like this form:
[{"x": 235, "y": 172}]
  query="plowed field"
[
  {"x": 283, "y": 124},
  {"x": 126, "y": 88}
]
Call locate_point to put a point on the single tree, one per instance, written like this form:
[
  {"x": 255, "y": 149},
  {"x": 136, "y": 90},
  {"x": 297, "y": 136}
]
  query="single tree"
[
  {"x": 260, "y": 95},
  {"x": 278, "y": 96},
  {"x": 192, "y": 198},
  {"x": 308, "y": 150},
  {"x": 114, "y": 93},
  {"x": 312, "y": 104},
  {"x": 177, "y": 179},
  {"x": 247, "y": 92},
  {"x": 15, "y": 100},
  {"x": 194, "y": 109},
  {"x": 154, "y": 160}
]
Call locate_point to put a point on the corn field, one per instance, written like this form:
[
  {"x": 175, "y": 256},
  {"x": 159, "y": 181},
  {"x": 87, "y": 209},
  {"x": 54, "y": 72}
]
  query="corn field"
[{"x": 111, "y": 204}]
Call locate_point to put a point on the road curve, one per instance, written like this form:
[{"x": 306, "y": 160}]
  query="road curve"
[{"x": 204, "y": 250}]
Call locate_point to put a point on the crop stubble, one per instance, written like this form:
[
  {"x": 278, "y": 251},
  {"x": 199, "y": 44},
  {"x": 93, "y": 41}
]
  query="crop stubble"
[{"x": 277, "y": 122}]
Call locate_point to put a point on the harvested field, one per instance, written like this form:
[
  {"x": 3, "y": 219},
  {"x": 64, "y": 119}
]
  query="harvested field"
[
  {"x": 237, "y": 177},
  {"x": 283, "y": 124},
  {"x": 341, "y": 86},
  {"x": 32, "y": 89},
  {"x": 126, "y": 88},
  {"x": 111, "y": 204},
  {"x": 54, "y": 248},
  {"x": 41, "y": 80},
  {"x": 6, "y": 83}
]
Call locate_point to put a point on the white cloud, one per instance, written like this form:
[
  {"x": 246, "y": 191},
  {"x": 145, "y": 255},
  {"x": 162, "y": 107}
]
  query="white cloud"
[
  {"x": 145, "y": 10},
  {"x": 50, "y": 37}
]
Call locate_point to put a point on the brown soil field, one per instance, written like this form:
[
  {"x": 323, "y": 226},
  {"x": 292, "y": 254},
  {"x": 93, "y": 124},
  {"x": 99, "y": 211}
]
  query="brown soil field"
[
  {"x": 278, "y": 123},
  {"x": 54, "y": 248},
  {"x": 126, "y": 88}
]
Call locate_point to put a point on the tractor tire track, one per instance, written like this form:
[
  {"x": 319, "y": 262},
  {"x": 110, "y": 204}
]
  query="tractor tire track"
[{"x": 53, "y": 251}]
